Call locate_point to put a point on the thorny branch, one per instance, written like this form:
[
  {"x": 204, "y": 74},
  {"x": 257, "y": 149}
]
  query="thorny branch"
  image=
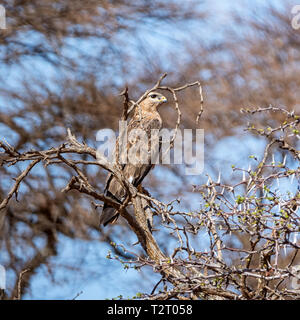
[{"x": 252, "y": 208}]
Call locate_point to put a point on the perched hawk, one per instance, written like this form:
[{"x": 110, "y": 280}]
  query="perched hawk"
[{"x": 145, "y": 118}]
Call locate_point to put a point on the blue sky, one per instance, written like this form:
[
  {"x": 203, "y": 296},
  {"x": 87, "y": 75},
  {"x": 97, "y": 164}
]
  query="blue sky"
[{"x": 98, "y": 277}]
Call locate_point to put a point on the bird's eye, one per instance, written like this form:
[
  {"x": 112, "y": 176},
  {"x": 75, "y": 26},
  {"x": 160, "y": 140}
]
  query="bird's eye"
[{"x": 153, "y": 96}]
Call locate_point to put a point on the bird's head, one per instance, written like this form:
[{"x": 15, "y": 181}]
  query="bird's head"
[
  {"x": 156, "y": 98},
  {"x": 152, "y": 101}
]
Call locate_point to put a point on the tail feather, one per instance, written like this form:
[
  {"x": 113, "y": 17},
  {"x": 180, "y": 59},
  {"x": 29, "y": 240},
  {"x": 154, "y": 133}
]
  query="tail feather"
[{"x": 108, "y": 215}]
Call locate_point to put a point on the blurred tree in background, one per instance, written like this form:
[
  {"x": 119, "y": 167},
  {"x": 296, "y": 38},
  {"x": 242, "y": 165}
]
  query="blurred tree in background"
[{"x": 64, "y": 64}]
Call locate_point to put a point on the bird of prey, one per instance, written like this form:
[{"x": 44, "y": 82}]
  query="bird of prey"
[{"x": 145, "y": 118}]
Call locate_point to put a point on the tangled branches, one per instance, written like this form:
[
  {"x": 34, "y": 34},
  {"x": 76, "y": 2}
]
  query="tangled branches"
[
  {"x": 251, "y": 226},
  {"x": 241, "y": 243}
]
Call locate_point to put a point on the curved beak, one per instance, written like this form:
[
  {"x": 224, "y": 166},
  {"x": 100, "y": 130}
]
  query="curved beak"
[{"x": 163, "y": 99}]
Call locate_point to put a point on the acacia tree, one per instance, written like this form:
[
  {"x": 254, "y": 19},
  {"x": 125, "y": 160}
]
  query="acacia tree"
[
  {"x": 242, "y": 241},
  {"x": 252, "y": 209},
  {"x": 62, "y": 64}
]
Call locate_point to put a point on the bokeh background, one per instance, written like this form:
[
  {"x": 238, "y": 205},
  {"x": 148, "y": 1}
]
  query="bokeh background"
[{"x": 63, "y": 64}]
